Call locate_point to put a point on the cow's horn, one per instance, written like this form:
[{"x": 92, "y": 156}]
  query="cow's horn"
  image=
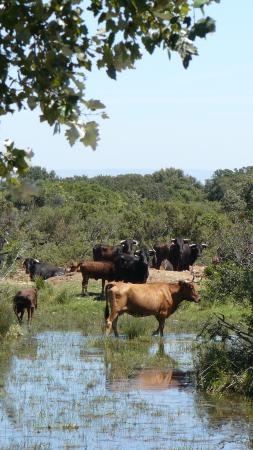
[
  {"x": 173, "y": 240},
  {"x": 122, "y": 242},
  {"x": 204, "y": 244},
  {"x": 192, "y": 245},
  {"x": 36, "y": 260},
  {"x": 135, "y": 242},
  {"x": 186, "y": 240}
]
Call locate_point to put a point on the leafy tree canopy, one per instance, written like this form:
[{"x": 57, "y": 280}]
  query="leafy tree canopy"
[
  {"x": 234, "y": 188},
  {"x": 47, "y": 48}
]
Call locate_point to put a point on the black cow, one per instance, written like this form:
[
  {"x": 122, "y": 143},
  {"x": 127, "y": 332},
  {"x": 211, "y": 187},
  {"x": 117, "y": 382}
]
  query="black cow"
[
  {"x": 162, "y": 251},
  {"x": 132, "y": 268},
  {"x": 196, "y": 252},
  {"x": 110, "y": 252},
  {"x": 179, "y": 253},
  {"x": 171, "y": 251},
  {"x": 37, "y": 268}
]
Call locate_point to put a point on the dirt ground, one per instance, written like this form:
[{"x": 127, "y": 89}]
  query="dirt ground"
[{"x": 20, "y": 277}]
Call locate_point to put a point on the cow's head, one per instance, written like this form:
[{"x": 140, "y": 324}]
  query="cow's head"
[
  {"x": 29, "y": 263},
  {"x": 179, "y": 243},
  {"x": 143, "y": 256},
  {"x": 189, "y": 292},
  {"x": 196, "y": 249},
  {"x": 128, "y": 244}
]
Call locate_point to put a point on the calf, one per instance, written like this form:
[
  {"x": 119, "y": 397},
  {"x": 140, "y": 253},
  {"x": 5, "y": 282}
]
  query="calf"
[
  {"x": 153, "y": 299},
  {"x": 26, "y": 299},
  {"x": 97, "y": 270}
]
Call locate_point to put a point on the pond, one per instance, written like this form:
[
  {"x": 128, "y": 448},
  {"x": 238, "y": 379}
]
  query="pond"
[{"x": 61, "y": 391}]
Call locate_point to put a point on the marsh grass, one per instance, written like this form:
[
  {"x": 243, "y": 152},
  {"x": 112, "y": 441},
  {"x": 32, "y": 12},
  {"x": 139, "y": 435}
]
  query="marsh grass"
[
  {"x": 7, "y": 316},
  {"x": 223, "y": 367},
  {"x": 123, "y": 356}
]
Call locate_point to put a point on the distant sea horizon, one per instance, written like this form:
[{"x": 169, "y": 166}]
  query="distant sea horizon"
[{"x": 200, "y": 174}]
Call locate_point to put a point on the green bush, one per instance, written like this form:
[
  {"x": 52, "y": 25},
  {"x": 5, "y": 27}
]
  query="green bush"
[
  {"x": 227, "y": 281},
  {"x": 7, "y": 317}
]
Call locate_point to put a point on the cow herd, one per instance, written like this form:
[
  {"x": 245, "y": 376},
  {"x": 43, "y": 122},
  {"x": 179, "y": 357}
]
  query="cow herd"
[{"x": 126, "y": 270}]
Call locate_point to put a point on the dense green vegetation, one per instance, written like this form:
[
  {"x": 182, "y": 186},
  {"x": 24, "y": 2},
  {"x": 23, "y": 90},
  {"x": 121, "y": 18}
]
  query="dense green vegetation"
[{"x": 59, "y": 220}]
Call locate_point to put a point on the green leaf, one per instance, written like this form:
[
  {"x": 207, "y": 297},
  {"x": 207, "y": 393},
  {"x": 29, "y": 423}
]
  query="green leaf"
[
  {"x": 91, "y": 135},
  {"x": 94, "y": 104},
  {"x": 32, "y": 102},
  {"x": 200, "y": 3},
  {"x": 202, "y": 28},
  {"x": 72, "y": 134},
  {"x": 111, "y": 72}
]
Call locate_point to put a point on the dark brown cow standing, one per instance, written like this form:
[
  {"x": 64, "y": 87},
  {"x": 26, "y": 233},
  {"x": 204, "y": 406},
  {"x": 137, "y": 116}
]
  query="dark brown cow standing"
[
  {"x": 96, "y": 270},
  {"x": 152, "y": 299},
  {"x": 26, "y": 299}
]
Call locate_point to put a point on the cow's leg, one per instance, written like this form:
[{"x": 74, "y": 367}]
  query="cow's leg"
[
  {"x": 103, "y": 288},
  {"x": 114, "y": 326},
  {"x": 85, "y": 285},
  {"x": 161, "y": 325},
  {"x": 15, "y": 309},
  {"x": 111, "y": 322},
  {"x": 22, "y": 312},
  {"x": 161, "y": 321}
]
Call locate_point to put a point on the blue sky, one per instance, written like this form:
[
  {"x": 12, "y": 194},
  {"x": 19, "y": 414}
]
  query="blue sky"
[{"x": 162, "y": 115}]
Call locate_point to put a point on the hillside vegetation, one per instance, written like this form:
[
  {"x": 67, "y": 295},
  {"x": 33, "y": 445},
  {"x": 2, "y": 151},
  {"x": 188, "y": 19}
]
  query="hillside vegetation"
[{"x": 61, "y": 219}]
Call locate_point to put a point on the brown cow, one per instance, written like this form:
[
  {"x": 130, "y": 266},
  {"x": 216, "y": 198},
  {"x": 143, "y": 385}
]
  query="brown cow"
[
  {"x": 26, "y": 299},
  {"x": 152, "y": 299},
  {"x": 97, "y": 270}
]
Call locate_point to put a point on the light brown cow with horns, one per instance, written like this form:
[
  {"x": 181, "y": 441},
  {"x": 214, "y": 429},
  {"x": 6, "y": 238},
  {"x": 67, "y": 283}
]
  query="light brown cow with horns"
[{"x": 152, "y": 299}]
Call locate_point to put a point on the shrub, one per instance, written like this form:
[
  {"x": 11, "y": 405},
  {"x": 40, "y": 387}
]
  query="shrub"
[{"x": 7, "y": 317}]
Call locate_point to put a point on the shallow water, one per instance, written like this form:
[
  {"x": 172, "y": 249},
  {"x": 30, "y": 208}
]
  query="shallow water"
[{"x": 59, "y": 393}]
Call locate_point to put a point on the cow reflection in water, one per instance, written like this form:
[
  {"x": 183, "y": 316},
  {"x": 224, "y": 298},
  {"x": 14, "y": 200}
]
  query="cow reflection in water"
[{"x": 149, "y": 378}]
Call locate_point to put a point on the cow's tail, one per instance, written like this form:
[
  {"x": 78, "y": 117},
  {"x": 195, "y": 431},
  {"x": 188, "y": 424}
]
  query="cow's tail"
[{"x": 107, "y": 288}]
